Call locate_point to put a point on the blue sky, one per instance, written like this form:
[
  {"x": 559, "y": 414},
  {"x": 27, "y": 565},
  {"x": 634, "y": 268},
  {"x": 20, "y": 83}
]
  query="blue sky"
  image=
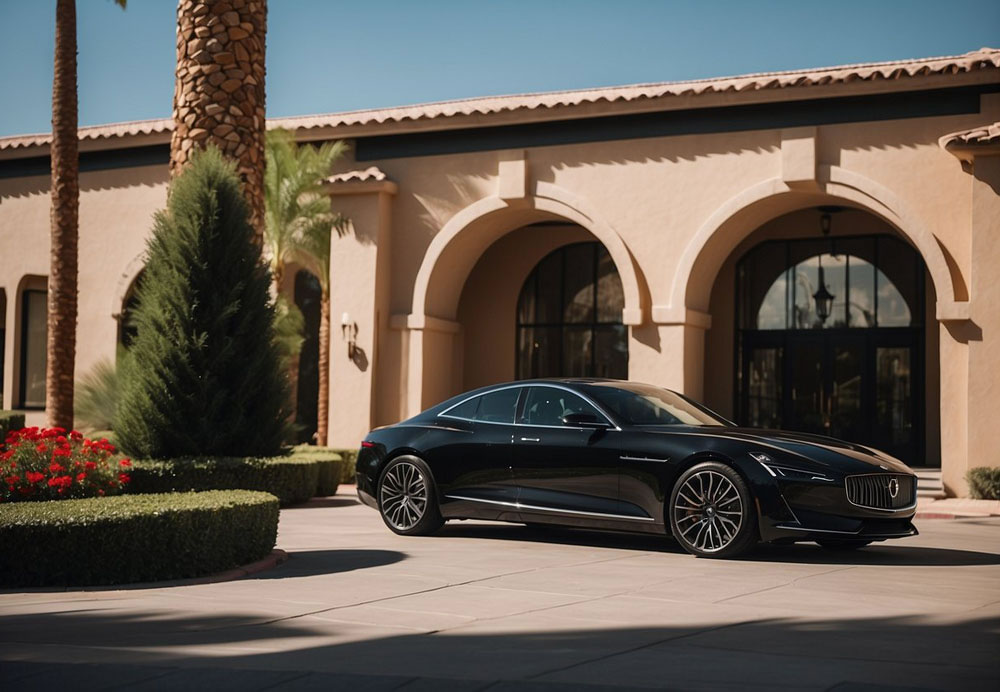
[{"x": 331, "y": 55}]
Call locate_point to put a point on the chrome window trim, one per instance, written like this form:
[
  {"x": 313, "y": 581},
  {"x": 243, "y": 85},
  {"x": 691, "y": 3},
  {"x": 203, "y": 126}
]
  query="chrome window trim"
[
  {"x": 908, "y": 508},
  {"x": 519, "y": 506},
  {"x": 614, "y": 426}
]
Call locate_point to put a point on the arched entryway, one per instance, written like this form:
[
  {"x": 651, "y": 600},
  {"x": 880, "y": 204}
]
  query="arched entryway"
[
  {"x": 830, "y": 340},
  {"x": 828, "y": 334},
  {"x": 545, "y": 300}
]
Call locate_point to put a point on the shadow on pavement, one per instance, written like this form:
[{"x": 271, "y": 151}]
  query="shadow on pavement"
[
  {"x": 308, "y": 563},
  {"x": 888, "y": 553},
  {"x": 193, "y": 651},
  {"x": 317, "y": 502}
]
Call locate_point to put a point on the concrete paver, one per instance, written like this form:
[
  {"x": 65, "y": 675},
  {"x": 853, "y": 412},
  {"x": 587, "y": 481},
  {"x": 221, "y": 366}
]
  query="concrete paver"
[{"x": 505, "y": 608}]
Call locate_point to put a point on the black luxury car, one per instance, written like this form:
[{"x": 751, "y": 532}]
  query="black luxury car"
[{"x": 608, "y": 454}]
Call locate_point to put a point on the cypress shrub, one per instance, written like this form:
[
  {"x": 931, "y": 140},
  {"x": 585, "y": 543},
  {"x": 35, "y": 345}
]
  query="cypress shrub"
[
  {"x": 204, "y": 374},
  {"x": 984, "y": 483}
]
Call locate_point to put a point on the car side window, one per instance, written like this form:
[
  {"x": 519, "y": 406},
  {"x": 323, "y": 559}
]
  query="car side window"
[
  {"x": 494, "y": 407},
  {"x": 548, "y": 405},
  {"x": 498, "y": 406}
]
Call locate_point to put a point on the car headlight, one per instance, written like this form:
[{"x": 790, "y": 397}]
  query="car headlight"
[{"x": 788, "y": 472}]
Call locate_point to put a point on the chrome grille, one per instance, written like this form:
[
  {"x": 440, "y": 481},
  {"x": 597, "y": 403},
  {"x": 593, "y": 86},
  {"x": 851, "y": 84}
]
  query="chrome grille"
[{"x": 875, "y": 490}]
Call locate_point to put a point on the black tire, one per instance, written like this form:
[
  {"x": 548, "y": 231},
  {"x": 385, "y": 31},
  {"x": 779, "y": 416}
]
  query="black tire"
[
  {"x": 407, "y": 498},
  {"x": 841, "y": 544},
  {"x": 706, "y": 518}
]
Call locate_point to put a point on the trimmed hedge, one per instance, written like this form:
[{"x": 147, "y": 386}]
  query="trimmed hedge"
[
  {"x": 10, "y": 420},
  {"x": 292, "y": 479},
  {"x": 984, "y": 483},
  {"x": 349, "y": 458},
  {"x": 330, "y": 467},
  {"x": 134, "y": 538}
]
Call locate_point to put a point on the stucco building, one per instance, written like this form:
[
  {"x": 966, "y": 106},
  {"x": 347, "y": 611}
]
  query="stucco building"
[{"x": 815, "y": 250}]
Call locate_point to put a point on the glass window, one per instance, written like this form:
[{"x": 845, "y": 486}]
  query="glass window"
[
  {"x": 34, "y": 330},
  {"x": 643, "y": 404},
  {"x": 859, "y": 282},
  {"x": 548, "y": 405},
  {"x": 570, "y": 316},
  {"x": 495, "y": 407}
]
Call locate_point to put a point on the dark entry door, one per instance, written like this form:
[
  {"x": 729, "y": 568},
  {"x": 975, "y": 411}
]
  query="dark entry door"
[{"x": 856, "y": 386}]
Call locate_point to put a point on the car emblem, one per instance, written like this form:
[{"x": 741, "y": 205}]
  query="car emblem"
[{"x": 893, "y": 487}]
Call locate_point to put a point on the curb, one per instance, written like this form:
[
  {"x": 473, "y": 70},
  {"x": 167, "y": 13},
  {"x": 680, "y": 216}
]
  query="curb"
[
  {"x": 950, "y": 515},
  {"x": 275, "y": 558}
]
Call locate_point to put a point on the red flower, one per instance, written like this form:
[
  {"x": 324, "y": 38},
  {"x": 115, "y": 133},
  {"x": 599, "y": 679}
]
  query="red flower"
[
  {"x": 81, "y": 477},
  {"x": 34, "y": 476},
  {"x": 41, "y": 448},
  {"x": 90, "y": 466},
  {"x": 125, "y": 462},
  {"x": 124, "y": 477},
  {"x": 56, "y": 467}
]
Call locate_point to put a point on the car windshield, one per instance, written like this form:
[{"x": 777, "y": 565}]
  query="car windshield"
[{"x": 640, "y": 404}]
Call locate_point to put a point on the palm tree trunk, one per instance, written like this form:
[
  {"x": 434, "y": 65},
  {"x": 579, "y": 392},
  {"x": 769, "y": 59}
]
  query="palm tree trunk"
[
  {"x": 64, "y": 217},
  {"x": 219, "y": 92},
  {"x": 323, "y": 402}
]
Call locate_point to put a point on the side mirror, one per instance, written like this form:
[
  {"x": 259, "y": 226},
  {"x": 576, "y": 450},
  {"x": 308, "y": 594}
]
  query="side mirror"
[{"x": 585, "y": 420}]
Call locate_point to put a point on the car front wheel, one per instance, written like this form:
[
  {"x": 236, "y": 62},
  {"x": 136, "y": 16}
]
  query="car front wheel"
[
  {"x": 712, "y": 512},
  {"x": 407, "y": 499}
]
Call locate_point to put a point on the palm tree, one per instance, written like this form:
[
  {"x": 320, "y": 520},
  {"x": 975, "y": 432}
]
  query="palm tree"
[
  {"x": 219, "y": 91},
  {"x": 64, "y": 220},
  {"x": 298, "y": 223}
]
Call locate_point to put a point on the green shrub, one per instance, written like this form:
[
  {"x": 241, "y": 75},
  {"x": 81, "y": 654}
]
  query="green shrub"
[
  {"x": 204, "y": 375},
  {"x": 132, "y": 538},
  {"x": 95, "y": 397},
  {"x": 348, "y": 457},
  {"x": 10, "y": 420},
  {"x": 330, "y": 467},
  {"x": 289, "y": 478},
  {"x": 984, "y": 482}
]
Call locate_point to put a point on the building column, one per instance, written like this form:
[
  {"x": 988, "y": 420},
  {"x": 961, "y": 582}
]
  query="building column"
[{"x": 359, "y": 301}]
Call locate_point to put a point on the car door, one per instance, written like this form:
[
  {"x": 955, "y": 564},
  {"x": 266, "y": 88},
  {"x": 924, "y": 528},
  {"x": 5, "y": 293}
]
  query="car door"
[
  {"x": 563, "y": 469},
  {"x": 474, "y": 463}
]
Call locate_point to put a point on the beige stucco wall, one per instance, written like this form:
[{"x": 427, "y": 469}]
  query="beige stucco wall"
[
  {"x": 430, "y": 271},
  {"x": 116, "y": 210}
]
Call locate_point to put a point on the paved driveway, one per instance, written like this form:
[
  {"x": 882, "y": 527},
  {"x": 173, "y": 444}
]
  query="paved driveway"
[{"x": 507, "y": 608}]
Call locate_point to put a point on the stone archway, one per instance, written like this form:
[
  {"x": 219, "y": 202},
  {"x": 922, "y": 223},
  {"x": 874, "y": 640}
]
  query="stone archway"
[{"x": 431, "y": 325}]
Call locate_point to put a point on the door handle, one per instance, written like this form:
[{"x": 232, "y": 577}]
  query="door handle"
[{"x": 530, "y": 439}]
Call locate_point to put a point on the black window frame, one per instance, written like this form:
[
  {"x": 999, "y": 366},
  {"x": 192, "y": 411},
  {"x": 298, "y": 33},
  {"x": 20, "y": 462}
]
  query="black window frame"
[
  {"x": 23, "y": 364},
  {"x": 594, "y": 325}
]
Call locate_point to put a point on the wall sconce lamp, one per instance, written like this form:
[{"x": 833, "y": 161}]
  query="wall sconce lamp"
[{"x": 349, "y": 331}]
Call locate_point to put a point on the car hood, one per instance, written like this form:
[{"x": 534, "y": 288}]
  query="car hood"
[{"x": 828, "y": 452}]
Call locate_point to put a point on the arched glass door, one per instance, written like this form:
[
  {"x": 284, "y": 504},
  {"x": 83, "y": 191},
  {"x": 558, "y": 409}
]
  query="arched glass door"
[
  {"x": 569, "y": 316},
  {"x": 830, "y": 340}
]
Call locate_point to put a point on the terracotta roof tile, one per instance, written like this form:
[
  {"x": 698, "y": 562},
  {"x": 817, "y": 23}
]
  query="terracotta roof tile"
[{"x": 983, "y": 59}]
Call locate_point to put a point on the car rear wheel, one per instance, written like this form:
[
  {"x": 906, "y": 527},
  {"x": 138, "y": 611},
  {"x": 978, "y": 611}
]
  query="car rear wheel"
[
  {"x": 407, "y": 499},
  {"x": 712, "y": 512}
]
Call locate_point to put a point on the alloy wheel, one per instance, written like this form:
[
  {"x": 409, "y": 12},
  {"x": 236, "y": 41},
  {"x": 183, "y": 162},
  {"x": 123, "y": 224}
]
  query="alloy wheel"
[
  {"x": 403, "y": 496},
  {"x": 708, "y": 511}
]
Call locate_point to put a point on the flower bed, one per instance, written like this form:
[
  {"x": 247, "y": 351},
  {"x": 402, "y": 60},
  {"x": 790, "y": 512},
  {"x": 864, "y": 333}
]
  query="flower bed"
[
  {"x": 291, "y": 479},
  {"x": 49, "y": 464},
  {"x": 133, "y": 538}
]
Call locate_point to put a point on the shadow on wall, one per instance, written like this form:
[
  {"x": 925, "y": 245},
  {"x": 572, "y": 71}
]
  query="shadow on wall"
[
  {"x": 90, "y": 181},
  {"x": 769, "y": 653}
]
